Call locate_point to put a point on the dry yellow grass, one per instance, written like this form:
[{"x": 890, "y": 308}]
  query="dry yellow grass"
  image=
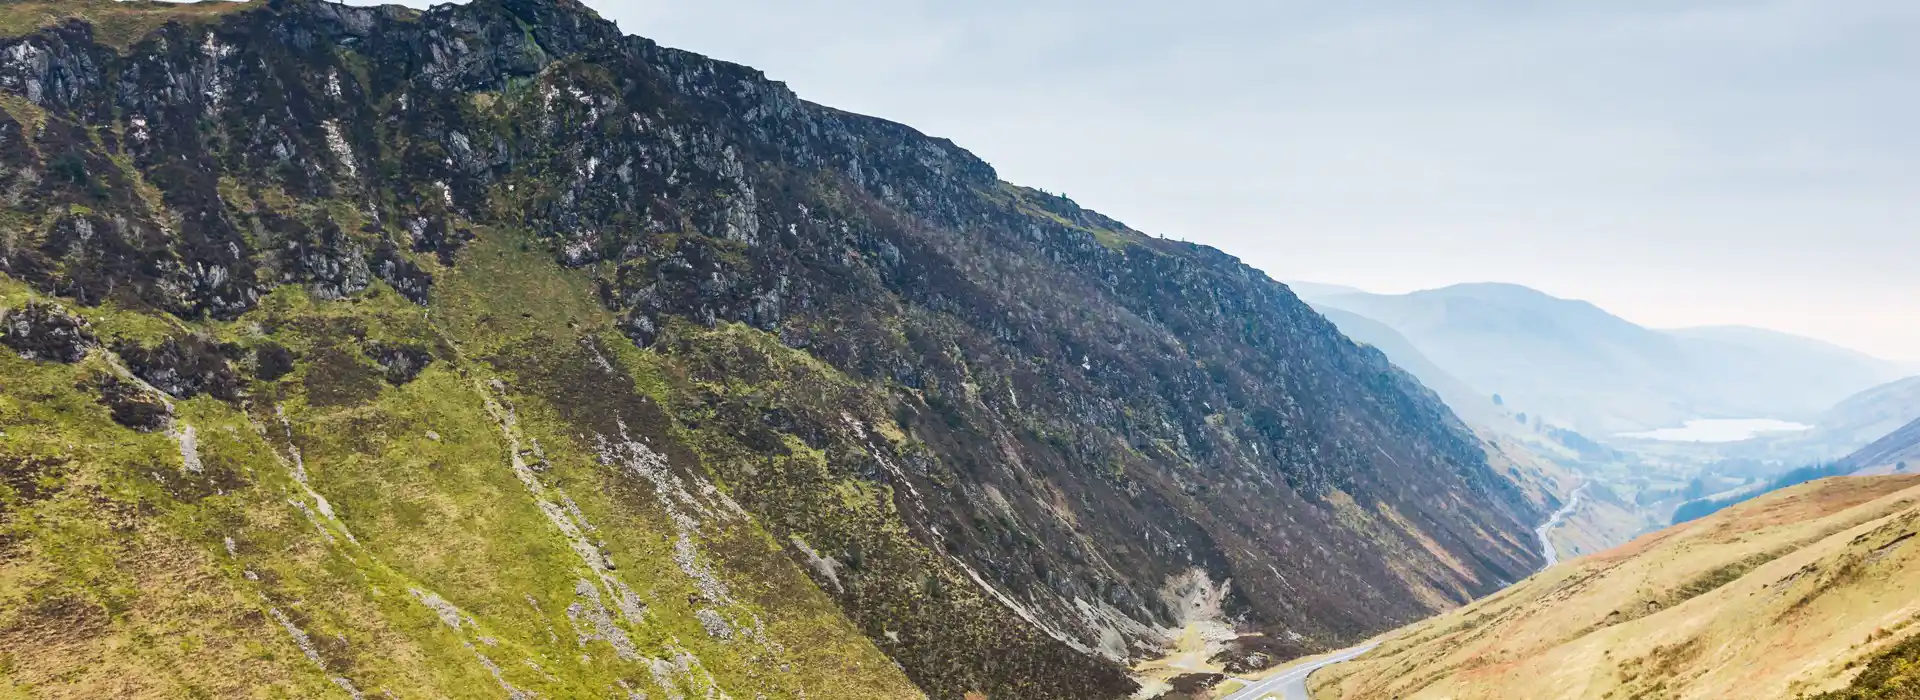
[{"x": 1766, "y": 600}]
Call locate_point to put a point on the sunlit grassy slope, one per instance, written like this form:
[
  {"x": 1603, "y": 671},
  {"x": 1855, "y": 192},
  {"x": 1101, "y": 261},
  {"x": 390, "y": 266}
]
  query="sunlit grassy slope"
[
  {"x": 1789, "y": 595},
  {"x": 115, "y": 22},
  {"x": 450, "y": 535}
]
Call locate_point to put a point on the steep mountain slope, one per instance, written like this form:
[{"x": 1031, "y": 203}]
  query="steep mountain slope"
[
  {"x": 1466, "y": 402},
  {"x": 1780, "y": 374},
  {"x": 1842, "y": 429},
  {"x": 1872, "y": 413},
  {"x": 1601, "y": 374},
  {"x": 487, "y": 350},
  {"x": 1785, "y": 595},
  {"x": 1566, "y": 359},
  {"x": 1794, "y": 353},
  {"x": 1899, "y": 451}
]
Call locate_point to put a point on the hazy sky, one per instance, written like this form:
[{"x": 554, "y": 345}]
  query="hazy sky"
[{"x": 1678, "y": 162}]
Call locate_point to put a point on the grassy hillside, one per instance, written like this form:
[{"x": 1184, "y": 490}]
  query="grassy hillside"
[
  {"x": 117, "y": 23},
  {"x": 516, "y": 355},
  {"x": 439, "y": 530},
  {"x": 1787, "y": 595}
]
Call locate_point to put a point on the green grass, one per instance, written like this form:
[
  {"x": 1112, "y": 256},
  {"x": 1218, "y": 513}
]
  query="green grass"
[
  {"x": 116, "y": 24},
  {"x": 1039, "y": 205},
  {"x": 121, "y": 554},
  {"x": 1894, "y": 674}
]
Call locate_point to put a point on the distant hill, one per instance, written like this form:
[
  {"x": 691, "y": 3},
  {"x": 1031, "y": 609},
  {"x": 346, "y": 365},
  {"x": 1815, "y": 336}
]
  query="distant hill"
[
  {"x": 1578, "y": 364},
  {"x": 1800, "y": 373},
  {"x": 1876, "y": 411},
  {"x": 1567, "y": 359},
  {"x": 1848, "y": 426},
  {"x": 1703, "y": 507},
  {"x": 1469, "y": 403},
  {"x": 1888, "y": 455},
  {"x": 1899, "y": 451},
  {"x": 1487, "y": 413}
]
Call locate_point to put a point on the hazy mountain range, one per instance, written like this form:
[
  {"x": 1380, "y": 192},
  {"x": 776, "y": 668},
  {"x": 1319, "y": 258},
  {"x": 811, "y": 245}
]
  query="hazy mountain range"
[
  {"x": 1860, "y": 419},
  {"x": 1471, "y": 404},
  {"x": 1898, "y": 451},
  {"x": 1574, "y": 363}
]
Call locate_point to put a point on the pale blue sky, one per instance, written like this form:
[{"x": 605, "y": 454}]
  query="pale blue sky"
[{"x": 1679, "y": 162}]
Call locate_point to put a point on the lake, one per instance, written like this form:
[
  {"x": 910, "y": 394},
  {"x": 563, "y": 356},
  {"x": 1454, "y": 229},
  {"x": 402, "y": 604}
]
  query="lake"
[{"x": 1720, "y": 430}]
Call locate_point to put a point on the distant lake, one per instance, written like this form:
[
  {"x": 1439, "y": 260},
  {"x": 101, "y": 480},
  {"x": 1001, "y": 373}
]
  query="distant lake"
[{"x": 1719, "y": 430}]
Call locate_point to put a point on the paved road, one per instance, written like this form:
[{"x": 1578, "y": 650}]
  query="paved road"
[
  {"x": 1546, "y": 545},
  {"x": 1292, "y": 685}
]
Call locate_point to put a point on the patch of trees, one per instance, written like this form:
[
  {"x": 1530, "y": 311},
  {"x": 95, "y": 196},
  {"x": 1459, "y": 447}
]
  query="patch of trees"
[{"x": 1703, "y": 507}]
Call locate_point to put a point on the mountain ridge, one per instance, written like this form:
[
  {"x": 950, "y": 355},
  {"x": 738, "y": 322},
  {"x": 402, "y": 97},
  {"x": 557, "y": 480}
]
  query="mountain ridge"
[
  {"x": 367, "y": 287},
  {"x": 1899, "y": 451},
  {"x": 1575, "y": 363},
  {"x": 1846, "y": 427}
]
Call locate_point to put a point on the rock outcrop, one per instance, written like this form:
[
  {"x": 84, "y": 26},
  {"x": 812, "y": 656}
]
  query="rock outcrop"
[{"x": 859, "y": 398}]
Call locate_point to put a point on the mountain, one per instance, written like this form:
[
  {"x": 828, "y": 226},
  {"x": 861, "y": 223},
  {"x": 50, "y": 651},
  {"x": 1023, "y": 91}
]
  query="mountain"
[
  {"x": 1804, "y": 593},
  {"x": 1898, "y": 451},
  {"x": 1565, "y": 359},
  {"x": 1466, "y": 402},
  {"x": 487, "y": 350},
  {"x": 1874, "y": 412},
  {"x": 1575, "y": 363},
  {"x": 1791, "y": 349},
  {"x": 1802, "y": 375},
  {"x": 1842, "y": 429}
]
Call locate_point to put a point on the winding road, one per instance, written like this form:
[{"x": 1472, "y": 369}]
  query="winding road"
[
  {"x": 1292, "y": 685},
  {"x": 1560, "y": 516}
]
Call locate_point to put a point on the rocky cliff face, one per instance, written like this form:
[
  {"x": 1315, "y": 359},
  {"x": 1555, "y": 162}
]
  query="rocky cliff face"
[{"x": 487, "y": 347}]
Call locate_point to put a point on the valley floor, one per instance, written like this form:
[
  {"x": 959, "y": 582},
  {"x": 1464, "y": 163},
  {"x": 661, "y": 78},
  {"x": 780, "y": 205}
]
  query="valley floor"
[{"x": 1195, "y": 665}]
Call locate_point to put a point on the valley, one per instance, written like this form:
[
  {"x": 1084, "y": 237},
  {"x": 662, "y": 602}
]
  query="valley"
[
  {"x": 1512, "y": 361},
  {"x": 1720, "y": 430},
  {"x": 1642, "y": 477},
  {"x": 1548, "y": 550},
  {"x": 487, "y": 350},
  {"x": 1771, "y": 599},
  {"x": 1789, "y": 595}
]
